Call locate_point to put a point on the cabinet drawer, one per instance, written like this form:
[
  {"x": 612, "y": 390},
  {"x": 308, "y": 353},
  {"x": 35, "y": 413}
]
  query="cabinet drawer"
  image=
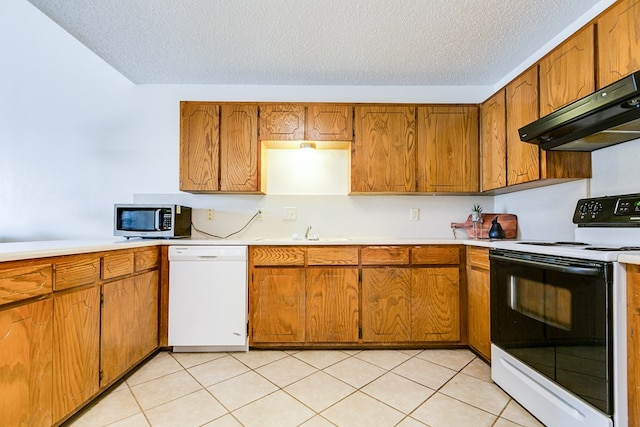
[
  {"x": 77, "y": 271},
  {"x": 278, "y": 255},
  {"x": 147, "y": 259},
  {"x": 25, "y": 282},
  {"x": 117, "y": 265},
  {"x": 372, "y": 255},
  {"x": 435, "y": 255},
  {"x": 340, "y": 255},
  {"x": 478, "y": 257}
]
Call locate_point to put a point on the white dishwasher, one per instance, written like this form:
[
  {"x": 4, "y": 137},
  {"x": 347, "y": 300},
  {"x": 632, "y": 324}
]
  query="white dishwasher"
[{"x": 208, "y": 306}]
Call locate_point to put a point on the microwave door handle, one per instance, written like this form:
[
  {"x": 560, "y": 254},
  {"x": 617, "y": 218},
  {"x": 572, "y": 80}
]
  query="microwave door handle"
[
  {"x": 582, "y": 271},
  {"x": 157, "y": 220}
]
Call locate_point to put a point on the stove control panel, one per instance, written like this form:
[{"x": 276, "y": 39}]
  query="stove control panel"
[{"x": 608, "y": 211}]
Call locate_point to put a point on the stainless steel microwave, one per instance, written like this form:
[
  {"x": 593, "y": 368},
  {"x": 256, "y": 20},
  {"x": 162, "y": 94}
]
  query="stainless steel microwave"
[{"x": 151, "y": 221}]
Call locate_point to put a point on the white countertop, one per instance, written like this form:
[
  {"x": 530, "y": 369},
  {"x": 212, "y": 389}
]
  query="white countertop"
[
  {"x": 13, "y": 251},
  {"x": 629, "y": 259}
]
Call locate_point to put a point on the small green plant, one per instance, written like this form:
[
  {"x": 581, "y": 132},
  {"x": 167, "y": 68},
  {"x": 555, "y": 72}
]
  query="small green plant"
[{"x": 476, "y": 208}]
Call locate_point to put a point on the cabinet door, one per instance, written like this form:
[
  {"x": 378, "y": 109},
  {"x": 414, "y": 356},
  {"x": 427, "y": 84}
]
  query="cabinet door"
[
  {"x": 383, "y": 158},
  {"x": 327, "y": 122},
  {"x": 523, "y": 159},
  {"x": 26, "y": 342},
  {"x": 386, "y": 304},
  {"x": 277, "y": 301},
  {"x": 282, "y": 122},
  {"x": 145, "y": 328},
  {"x": 633, "y": 343},
  {"x": 568, "y": 72},
  {"x": 199, "y": 146},
  {"x": 118, "y": 320},
  {"x": 332, "y": 304},
  {"x": 478, "y": 300},
  {"x": 493, "y": 142},
  {"x": 239, "y": 150},
  {"x": 618, "y": 41},
  {"x": 435, "y": 304},
  {"x": 448, "y": 155},
  {"x": 76, "y": 349}
]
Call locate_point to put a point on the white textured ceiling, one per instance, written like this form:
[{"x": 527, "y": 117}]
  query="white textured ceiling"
[{"x": 319, "y": 42}]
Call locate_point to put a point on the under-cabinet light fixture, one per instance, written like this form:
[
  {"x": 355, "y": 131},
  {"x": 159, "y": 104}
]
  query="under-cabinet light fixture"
[{"x": 308, "y": 145}]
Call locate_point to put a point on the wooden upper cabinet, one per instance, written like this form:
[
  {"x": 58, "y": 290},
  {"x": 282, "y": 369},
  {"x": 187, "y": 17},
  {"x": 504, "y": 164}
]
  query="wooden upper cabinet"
[
  {"x": 239, "y": 148},
  {"x": 448, "y": 153},
  {"x": 282, "y": 122},
  {"x": 383, "y": 158},
  {"x": 566, "y": 75},
  {"x": 568, "y": 72},
  {"x": 493, "y": 142},
  {"x": 618, "y": 41},
  {"x": 328, "y": 122},
  {"x": 199, "y": 146},
  {"x": 523, "y": 159}
]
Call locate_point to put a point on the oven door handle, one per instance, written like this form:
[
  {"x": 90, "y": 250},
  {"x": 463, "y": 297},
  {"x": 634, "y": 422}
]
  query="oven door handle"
[{"x": 583, "y": 271}]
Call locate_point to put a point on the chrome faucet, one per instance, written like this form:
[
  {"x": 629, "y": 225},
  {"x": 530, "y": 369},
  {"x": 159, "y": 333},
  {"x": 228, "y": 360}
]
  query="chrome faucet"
[{"x": 306, "y": 233}]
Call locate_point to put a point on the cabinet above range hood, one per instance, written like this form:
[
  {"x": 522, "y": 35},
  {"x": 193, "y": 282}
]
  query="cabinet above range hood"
[{"x": 604, "y": 118}]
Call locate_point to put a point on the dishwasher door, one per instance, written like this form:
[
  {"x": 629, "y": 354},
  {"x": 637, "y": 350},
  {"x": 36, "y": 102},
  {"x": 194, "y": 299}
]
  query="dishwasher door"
[{"x": 208, "y": 307}]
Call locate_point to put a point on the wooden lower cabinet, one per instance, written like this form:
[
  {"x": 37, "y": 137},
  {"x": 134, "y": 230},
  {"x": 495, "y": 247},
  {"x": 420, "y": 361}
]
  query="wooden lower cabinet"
[
  {"x": 386, "y": 304},
  {"x": 331, "y": 308},
  {"x": 435, "y": 304},
  {"x": 276, "y": 298},
  {"x": 410, "y": 304},
  {"x": 633, "y": 343},
  {"x": 355, "y": 295},
  {"x": 479, "y": 318},
  {"x": 129, "y": 327},
  {"x": 146, "y": 309},
  {"x": 26, "y": 342},
  {"x": 66, "y": 319},
  {"x": 76, "y": 349}
]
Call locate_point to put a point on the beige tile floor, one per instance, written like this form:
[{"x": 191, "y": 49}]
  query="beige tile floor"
[{"x": 310, "y": 388}]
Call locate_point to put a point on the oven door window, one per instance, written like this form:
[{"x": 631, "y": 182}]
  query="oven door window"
[
  {"x": 555, "y": 322},
  {"x": 540, "y": 301}
]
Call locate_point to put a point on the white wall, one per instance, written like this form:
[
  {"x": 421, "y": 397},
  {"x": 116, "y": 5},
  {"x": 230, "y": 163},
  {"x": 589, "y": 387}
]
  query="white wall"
[
  {"x": 76, "y": 137},
  {"x": 63, "y": 123}
]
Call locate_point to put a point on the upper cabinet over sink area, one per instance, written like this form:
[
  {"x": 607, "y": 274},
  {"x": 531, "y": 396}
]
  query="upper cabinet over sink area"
[{"x": 419, "y": 148}]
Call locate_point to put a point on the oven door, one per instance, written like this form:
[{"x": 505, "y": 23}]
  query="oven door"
[{"x": 553, "y": 314}]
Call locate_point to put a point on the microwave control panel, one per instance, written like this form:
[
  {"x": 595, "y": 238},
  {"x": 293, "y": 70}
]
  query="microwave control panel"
[{"x": 608, "y": 211}]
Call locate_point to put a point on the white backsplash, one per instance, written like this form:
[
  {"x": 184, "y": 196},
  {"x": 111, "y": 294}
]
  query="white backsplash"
[{"x": 330, "y": 216}]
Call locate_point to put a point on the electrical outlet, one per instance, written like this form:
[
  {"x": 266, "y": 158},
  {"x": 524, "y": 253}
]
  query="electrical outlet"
[
  {"x": 209, "y": 214},
  {"x": 414, "y": 214},
  {"x": 260, "y": 216},
  {"x": 289, "y": 214}
]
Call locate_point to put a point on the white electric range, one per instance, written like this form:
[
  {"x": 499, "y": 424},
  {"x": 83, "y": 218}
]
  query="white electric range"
[{"x": 560, "y": 348}]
